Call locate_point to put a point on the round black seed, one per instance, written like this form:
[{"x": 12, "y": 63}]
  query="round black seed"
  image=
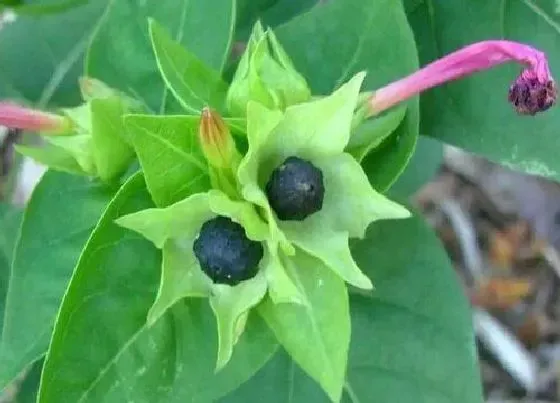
[
  {"x": 225, "y": 253},
  {"x": 295, "y": 189}
]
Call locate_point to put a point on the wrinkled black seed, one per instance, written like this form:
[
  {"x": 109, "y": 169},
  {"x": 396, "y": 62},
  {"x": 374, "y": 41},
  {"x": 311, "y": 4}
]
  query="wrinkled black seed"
[
  {"x": 225, "y": 253},
  {"x": 529, "y": 96},
  {"x": 295, "y": 189}
]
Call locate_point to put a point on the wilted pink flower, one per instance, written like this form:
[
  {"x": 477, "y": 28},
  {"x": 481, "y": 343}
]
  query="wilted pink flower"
[
  {"x": 533, "y": 91},
  {"x": 18, "y": 117}
]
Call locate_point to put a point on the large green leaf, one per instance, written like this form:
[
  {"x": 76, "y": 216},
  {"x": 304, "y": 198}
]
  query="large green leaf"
[
  {"x": 39, "y": 7},
  {"x": 474, "y": 113},
  {"x": 422, "y": 167},
  {"x": 40, "y": 61},
  {"x": 171, "y": 159},
  {"x": 122, "y": 55},
  {"x": 193, "y": 84},
  {"x": 411, "y": 337},
  {"x": 10, "y": 220},
  {"x": 270, "y": 12},
  {"x": 29, "y": 387},
  {"x": 350, "y": 36},
  {"x": 57, "y": 222},
  {"x": 103, "y": 350}
]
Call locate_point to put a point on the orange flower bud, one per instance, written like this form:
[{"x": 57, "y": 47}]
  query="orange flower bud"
[{"x": 217, "y": 143}]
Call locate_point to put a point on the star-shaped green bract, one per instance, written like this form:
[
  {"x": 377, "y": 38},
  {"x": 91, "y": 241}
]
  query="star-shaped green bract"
[
  {"x": 174, "y": 230},
  {"x": 317, "y": 131}
]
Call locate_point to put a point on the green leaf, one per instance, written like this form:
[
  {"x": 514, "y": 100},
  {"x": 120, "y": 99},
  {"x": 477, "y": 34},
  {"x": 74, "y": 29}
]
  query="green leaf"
[
  {"x": 56, "y": 158},
  {"x": 40, "y": 7},
  {"x": 111, "y": 153},
  {"x": 351, "y": 36},
  {"x": 121, "y": 54},
  {"x": 422, "y": 167},
  {"x": 28, "y": 389},
  {"x": 371, "y": 133},
  {"x": 473, "y": 113},
  {"x": 57, "y": 222},
  {"x": 412, "y": 338},
  {"x": 40, "y": 62},
  {"x": 10, "y": 220},
  {"x": 316, "y": 334},
  {"x": 105, "y": 309},
  {"x": 194, "y": 84},
  {"x": 79, "y": 147},
  {"x": 270, "y": 12},
  {"x": 170, "y": 156}
]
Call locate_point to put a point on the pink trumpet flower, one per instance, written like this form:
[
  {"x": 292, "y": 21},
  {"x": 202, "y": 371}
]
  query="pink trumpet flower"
[
  {"x": 533, "y": 90},
  {"x": 19, "y": 117}
]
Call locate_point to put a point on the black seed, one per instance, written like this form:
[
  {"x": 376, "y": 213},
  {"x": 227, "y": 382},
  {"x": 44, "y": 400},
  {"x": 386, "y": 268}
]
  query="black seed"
[
  {"x": 295, "y": 189},
  {"x": 529, "y": 96},
  {"x": 225, "y": 253}
]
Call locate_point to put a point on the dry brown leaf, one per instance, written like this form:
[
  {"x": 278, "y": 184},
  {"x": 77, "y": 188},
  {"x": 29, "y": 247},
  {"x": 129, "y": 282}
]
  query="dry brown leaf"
[
  {"x": 501, "y": 293},
  {"x": 505, "y": 245}
]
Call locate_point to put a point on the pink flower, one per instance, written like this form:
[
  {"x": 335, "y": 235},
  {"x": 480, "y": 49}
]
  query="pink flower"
[
  {"x": 533, "y": 91},
  {"x": 18, "y": 117}
]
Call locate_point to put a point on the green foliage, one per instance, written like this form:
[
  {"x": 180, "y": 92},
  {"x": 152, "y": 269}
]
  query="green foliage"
[
  {"x": 167, "y": 148},
  {"x": 10, "y": 220},
  {"x": 58, "y": 220},
  {"x": 40, "y": 62},
  {"x": 353, "y": 36},
  {"x": 112, "y": 267},
  {"x": 106, "y": 306},
  {"x": 406, "y": 345},
  {"x": 193, "y": 83},
  {"x": 203, "y": 27},
  {"x": 40, "y": 7}
]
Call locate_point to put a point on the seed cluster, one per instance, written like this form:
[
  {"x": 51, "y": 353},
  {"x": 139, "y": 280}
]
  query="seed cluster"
[{"x": 295, "y": 190}]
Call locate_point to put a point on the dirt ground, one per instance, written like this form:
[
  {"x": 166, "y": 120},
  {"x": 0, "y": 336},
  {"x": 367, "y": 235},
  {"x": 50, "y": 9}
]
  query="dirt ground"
[{"x": 502, "y": 232}]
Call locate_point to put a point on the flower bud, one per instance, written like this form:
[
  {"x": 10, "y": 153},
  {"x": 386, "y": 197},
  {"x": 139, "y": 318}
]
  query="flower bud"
[
  {"x": 216, "y": 141},
  {"x": 15, "y": 116},
  {"x": 266, "y": 75}
]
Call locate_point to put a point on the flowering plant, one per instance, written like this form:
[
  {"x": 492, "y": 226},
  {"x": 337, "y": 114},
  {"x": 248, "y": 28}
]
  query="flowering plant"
[{"x": 219, "y": 227}]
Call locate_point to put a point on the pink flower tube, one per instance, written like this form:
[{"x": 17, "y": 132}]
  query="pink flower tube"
[
  {"x": 18, "y": 117},
  {"x": 533, "y": 91}
]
